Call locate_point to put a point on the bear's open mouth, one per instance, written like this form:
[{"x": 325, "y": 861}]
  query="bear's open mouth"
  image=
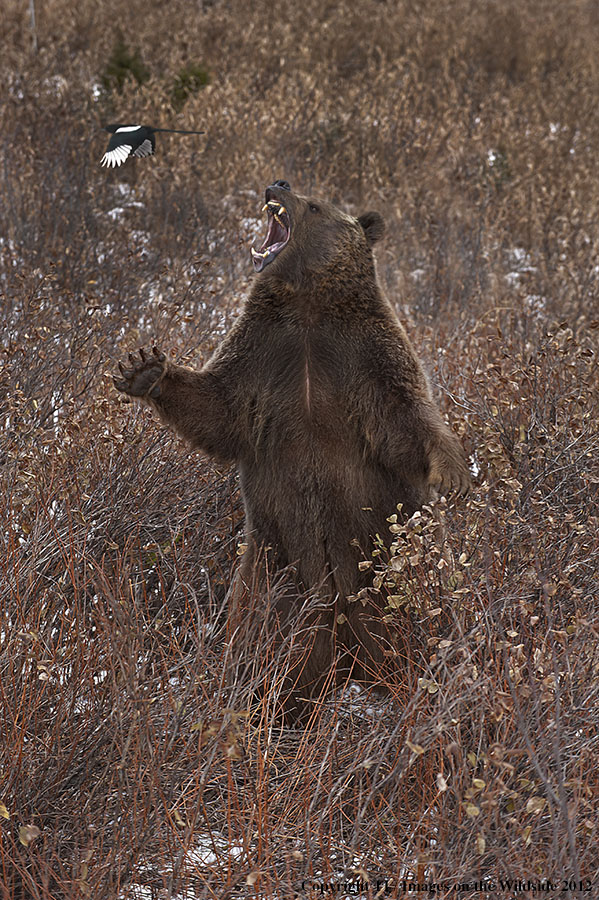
[{"x": 277, "y": 236}]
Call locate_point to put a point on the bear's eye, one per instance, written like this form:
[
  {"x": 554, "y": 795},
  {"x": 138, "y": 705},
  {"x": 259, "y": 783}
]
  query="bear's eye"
[{"x": 313, "y": 207}]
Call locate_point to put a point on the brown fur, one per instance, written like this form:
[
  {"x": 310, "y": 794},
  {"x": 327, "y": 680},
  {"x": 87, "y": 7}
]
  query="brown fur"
[{"x": 319, "y": 398}]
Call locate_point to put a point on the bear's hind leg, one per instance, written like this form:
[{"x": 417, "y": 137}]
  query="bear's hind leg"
[{"x": 282, "y": 642}]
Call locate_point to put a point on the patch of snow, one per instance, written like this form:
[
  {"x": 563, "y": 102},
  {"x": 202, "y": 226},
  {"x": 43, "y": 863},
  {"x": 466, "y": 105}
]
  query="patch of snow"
[
  {"x": 355, "y": 701},
  {"x": 536, "y": 303},
  {"x": 211, "y": 850},
  {"x": 56, "y": 84},
  {"x": 142, "y": 236},
  {"x": 521, "y": 262}
]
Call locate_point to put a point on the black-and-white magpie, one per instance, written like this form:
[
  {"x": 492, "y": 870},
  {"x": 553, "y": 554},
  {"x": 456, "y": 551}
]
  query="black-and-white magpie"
[{"x": 133, "y": 140}]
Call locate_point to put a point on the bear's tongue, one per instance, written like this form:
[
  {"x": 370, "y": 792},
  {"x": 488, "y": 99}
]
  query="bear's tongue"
[{"x": 277, "y": 236}]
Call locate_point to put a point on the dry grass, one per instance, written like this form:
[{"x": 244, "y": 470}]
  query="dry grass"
[{"x": 127, "y": 768}]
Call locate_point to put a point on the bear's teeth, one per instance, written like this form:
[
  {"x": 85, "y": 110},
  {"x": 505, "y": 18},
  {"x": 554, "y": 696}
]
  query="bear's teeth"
[
  {"x": 270, "y": 206},
  {"x": 259, "y": 255},
  {"x": 279, "y": 220}
]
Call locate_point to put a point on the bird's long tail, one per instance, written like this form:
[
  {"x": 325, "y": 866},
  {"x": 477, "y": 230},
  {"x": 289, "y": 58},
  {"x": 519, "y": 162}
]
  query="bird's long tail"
[{"x": 176, "y": 131}]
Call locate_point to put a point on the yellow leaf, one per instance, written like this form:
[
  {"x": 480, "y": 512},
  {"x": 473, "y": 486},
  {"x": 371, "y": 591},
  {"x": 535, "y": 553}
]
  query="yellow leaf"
[
  {"x": 472, "y": 810},
  {"x": 535, "y": 805},
  {"x": 415, "y": 748},
  {"x": 4, "y": 813},
  {"x": 28, "y": 833},
  {"x": 178, "y": 819}
]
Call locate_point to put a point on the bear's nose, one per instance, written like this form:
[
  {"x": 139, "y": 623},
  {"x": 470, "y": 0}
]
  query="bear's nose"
[{"x": 282, "y": 184}]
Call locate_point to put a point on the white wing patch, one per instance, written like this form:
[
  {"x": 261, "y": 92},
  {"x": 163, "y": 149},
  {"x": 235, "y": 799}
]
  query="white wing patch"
[
  {"x": 117, "y": 156},
  {"x": 144, "y": 149},
  {"x": 128, "y": 128}
]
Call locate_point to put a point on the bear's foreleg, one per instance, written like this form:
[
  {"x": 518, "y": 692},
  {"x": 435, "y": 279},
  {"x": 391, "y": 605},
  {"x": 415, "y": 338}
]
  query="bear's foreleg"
[
  {"x": 447, "y": 464},
  {"x": 194, "y": 403}
]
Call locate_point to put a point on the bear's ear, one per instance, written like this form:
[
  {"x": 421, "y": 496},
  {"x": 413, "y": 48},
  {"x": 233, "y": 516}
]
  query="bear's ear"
[{"x": 373, "y": 225}]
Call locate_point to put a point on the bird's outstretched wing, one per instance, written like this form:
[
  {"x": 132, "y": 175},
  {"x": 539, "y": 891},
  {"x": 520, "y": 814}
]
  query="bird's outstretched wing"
[
  {"x": 133, "y": 140},
  {"x": 147, "y": 147},
  {"x": 126, "y": 141},
  {"x": 117, "y": 151}
]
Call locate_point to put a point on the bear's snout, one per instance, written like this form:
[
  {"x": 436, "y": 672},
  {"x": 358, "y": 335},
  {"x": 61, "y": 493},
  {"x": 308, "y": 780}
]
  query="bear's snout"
[{"x": 282, "y": 184}]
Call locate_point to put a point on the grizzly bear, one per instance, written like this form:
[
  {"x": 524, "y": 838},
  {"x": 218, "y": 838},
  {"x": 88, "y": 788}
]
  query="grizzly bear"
[{"x": 319, "y": 398}]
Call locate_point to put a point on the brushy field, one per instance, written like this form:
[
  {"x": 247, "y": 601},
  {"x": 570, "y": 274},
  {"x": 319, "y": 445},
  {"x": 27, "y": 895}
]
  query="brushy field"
[{"x": 128, "y": 768}]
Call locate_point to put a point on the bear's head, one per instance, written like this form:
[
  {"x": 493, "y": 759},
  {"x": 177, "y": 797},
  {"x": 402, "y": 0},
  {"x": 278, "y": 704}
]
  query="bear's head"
[{"x": 306, "y": 238}]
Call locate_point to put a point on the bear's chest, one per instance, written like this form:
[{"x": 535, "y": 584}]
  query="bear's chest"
[
  {"x": 308, "y": 380},
  {"x": 301, "y": 391}
]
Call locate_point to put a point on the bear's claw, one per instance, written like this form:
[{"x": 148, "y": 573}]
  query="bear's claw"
[
  {"x": 448, "y": 473},
  {"x": 144, "y": 377}
]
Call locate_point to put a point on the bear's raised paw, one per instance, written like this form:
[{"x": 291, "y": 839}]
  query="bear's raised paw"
[{"x": 143, "y": 377}]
